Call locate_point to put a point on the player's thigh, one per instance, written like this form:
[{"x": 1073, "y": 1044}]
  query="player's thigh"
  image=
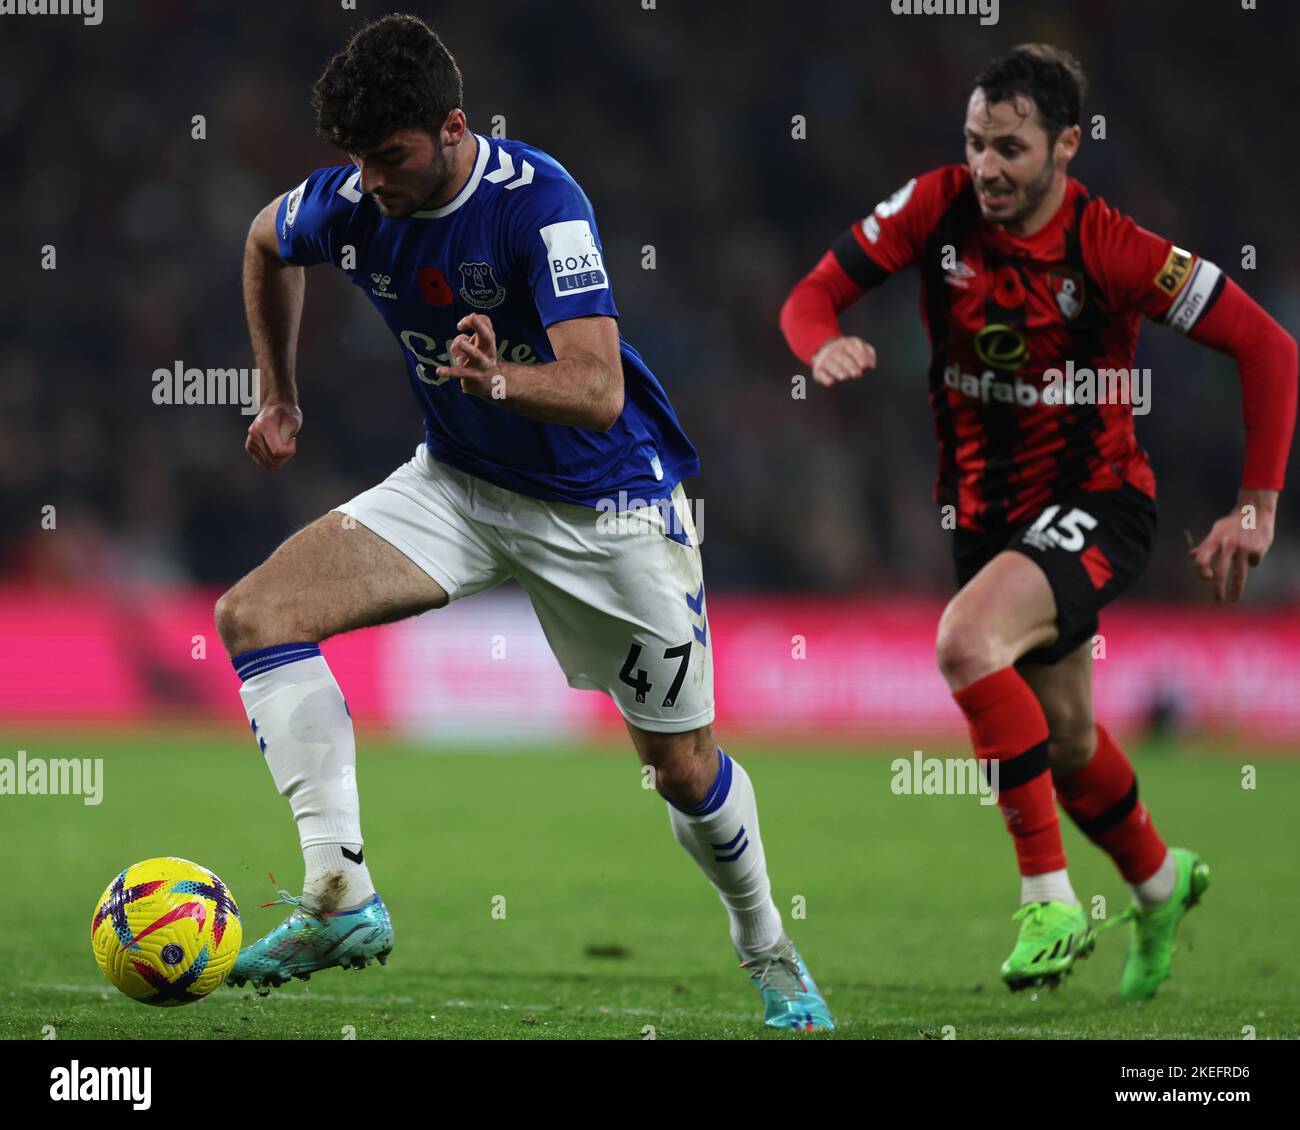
[
  {"x": 623, "y": 608},
  {"x": 1003, "y": 611},
  {"x": 406, "y": 545},
  {"x": 332, "y": 576},
  {"x": 1064, "y": 690}
]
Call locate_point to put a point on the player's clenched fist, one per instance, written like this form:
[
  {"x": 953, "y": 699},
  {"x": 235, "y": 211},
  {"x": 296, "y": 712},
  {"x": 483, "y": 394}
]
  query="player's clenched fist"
[
  {"x": 842, "y": 359},
  {"x": 473, "y": 355},
  {"x": 271, "y": 436}
]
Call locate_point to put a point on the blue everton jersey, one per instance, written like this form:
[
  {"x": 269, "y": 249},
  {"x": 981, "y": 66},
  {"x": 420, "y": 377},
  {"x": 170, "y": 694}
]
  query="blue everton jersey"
[{"x": 519, "y": 244}]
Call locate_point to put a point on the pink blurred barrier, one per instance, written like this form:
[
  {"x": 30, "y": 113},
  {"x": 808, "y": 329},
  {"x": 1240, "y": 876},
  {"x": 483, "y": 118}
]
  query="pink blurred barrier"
[{"x": 481, "y": 668}]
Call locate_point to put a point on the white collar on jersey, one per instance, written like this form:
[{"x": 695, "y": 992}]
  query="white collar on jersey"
[{"x": 480, "y": 163}]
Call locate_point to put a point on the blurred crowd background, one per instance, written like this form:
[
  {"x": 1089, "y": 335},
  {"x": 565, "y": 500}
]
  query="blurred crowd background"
[{"x": 677, "y": 122}]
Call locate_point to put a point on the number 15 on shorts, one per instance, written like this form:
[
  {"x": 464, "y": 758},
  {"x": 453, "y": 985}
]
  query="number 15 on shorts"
[{"x": 1065, "y": 533}]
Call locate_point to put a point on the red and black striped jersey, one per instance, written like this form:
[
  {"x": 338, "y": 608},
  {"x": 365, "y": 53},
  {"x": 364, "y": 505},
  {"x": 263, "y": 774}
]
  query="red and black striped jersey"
[{"x": 1032, "y": 338}]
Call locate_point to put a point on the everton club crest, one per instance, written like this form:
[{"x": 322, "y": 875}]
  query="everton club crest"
[{"x": 479, "y": 286}]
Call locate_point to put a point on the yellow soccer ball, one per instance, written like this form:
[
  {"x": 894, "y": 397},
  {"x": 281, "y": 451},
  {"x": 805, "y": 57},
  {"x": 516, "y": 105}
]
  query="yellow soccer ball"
[{"x": 166, "y": 931}]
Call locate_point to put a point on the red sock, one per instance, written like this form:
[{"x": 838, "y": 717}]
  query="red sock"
[
  {"x": 1008, "y": 726},
  {"x": 1102, "y": 799}
]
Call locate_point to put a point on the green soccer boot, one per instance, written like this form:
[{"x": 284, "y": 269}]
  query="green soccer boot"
[
  {"x": 1151, "y": 943},
  {"x": 1053, "y": 936}
]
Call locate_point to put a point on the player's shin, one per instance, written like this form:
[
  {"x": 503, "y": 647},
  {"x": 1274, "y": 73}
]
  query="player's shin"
[
  {"x": 1007, "y": 726},
  {"x": 1102, "y": 799},
  {"x": 721, "y": 835},
  {"x": 303, "y": 727}
]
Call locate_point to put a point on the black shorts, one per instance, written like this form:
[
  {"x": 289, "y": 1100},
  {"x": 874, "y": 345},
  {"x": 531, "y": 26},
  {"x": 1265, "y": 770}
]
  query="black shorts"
[{"x": 1091, "y": 544}]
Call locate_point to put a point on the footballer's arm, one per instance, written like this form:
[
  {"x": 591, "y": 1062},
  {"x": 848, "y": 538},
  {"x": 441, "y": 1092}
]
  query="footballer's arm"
[
  {"x": 1148, "y": 273},
  {"x": 1266, "y": 357},
  {"x": 582, "y": 387},
  {"x": 890, "y": 239},
  {"x": 273, "y": 297},
  {"x": 810, "y": 322}
]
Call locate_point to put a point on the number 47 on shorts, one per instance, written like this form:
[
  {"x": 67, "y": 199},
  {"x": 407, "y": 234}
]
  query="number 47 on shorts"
[{"x": 640, "y": 682}]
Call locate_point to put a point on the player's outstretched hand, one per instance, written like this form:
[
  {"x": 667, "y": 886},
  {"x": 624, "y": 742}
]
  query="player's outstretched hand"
[
  {"x": 271, "y": 435},
  {"x": 842, "y": 359},
  {"x": 473, "y": 355},
  {"x": 1234, "y": 545}
]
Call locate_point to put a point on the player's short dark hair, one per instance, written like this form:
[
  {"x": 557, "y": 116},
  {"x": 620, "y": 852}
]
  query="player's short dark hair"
[
  {"x": 395, "y": 73},
  {"x": 1052, "y": 77}
]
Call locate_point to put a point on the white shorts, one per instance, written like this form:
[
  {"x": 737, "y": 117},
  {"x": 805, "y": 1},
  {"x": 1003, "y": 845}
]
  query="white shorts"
[{"x": 620, "y": 601}]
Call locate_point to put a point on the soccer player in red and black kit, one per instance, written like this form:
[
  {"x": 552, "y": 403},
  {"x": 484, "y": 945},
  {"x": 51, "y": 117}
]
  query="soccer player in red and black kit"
[{"x": 1024, "y": 272}]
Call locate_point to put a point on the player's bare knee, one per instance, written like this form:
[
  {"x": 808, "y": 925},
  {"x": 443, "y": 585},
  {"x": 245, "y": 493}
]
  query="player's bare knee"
[
  {"x": 684, "y": 765},
  {"x": 230, "y": 618},
  {"x": 966, "y": 652},
  {"x": 240, "y": 622},
  {"x": 1071, "y": 744},
  {"x": 245, "y": 622}
]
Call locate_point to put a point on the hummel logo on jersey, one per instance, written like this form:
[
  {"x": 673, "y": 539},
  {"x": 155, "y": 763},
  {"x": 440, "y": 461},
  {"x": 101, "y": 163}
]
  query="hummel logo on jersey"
[
  {"x": 506, "y": 170},
  {"x": 380, "y": 289},
  {"x": 574, "y": 258}
]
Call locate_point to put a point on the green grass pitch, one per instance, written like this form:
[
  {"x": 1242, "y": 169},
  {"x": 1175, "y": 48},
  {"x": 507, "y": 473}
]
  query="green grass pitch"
[{"x": 609, "y": 929}]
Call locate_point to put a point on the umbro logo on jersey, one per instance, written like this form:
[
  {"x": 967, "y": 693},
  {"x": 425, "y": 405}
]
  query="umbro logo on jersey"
[
  {"x": 959, "y": 276},
  {"x": 382, "y": 283}
]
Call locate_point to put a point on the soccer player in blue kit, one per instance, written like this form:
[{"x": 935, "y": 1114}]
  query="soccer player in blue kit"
[{"x": 483, "y": 258}]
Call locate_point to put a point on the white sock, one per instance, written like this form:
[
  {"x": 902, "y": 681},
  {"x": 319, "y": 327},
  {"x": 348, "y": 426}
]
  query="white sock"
[
  {"x": 303, "y": 727},
  {"x": 721, "y": 834},
  {"x": 1160, "y": 886},
  {"x": 1050, "y": 886}
]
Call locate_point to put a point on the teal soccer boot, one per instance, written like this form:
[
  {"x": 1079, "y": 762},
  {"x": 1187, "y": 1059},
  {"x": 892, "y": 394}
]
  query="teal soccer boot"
[
  {"x": 791, "y": 999},
  {"x": 307, "y": 942}
]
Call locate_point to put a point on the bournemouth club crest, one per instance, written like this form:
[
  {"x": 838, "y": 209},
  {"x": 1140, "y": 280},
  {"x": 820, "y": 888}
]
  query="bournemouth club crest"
[{"x": 1067, "y": 289}]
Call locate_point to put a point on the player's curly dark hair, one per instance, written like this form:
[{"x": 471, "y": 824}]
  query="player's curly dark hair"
[
  {"x": 1049, "y": 75},
  {"x": 395, "y": 73}
]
